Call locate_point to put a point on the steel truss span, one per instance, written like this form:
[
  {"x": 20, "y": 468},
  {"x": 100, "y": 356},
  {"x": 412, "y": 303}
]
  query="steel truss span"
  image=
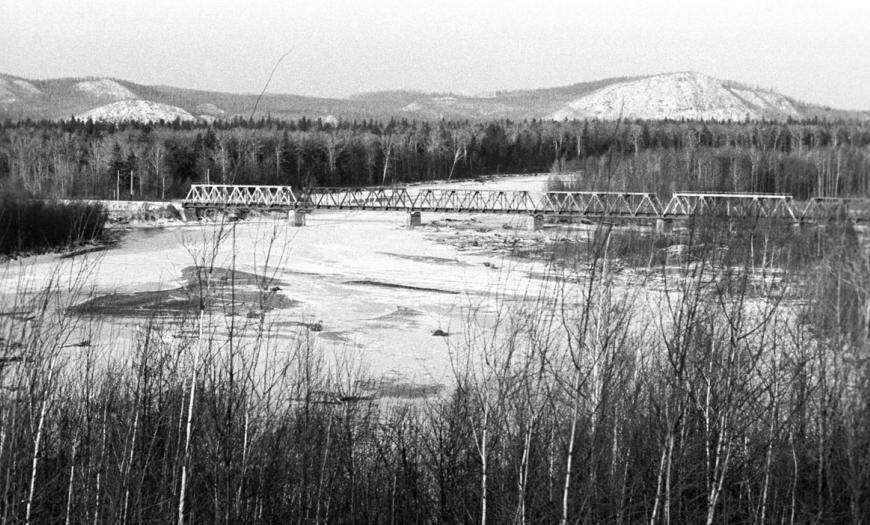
[{"x": 591, "y": 204}]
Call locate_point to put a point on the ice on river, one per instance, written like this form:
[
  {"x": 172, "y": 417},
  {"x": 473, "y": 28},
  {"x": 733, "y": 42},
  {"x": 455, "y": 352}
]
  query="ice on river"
[{"x": 375, "y": 286}]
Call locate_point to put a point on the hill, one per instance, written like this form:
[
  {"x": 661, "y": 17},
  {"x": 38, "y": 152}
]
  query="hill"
[
  {"x": 685, "y": 95},
  {"x": 136, "y": 110},
  {"x": 690, "y": 96}
]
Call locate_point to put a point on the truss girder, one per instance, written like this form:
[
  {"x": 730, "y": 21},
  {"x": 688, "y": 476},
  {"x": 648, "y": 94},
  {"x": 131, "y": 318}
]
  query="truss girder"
[
  {"x": 477, "y": 201},
  {"x": 579, "y": 203},
  {"x": 602, "y": 204},
  {"x": 834, "y": 209},
  {"x": 727, "y": 205},
  {"x": 356, "y": 198},
  {"x": 235, "y": 196}
]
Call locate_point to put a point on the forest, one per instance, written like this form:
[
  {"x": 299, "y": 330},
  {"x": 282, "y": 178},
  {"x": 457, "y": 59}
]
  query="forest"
[
  {"x": 743, "y": 398},
  {"x": 74, "y": 159},
  {"x": 724, "y": 382}
]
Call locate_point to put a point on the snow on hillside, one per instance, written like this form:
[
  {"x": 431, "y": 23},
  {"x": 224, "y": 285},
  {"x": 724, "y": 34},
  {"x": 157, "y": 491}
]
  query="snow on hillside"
[
  {"x": 12, "y": 90},
  {"x": 136, "y": 110},
  {"x": 413, "y": 106},
  {"x": 105, "y": 88},
  {"x": 441, "y": 106},
  {"x": 688, "y": 95},
  {"x": 209, "y": 109},
  {"x": 6, "y": 95},
  {"x": 27, "y": 87},
  {"x": 776, "y": 105}
]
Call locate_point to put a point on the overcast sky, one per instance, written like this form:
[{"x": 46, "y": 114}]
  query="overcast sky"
[{"x": 818, "y": 51}]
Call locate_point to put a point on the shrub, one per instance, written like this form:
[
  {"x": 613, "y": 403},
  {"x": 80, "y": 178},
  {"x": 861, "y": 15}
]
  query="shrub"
[{"x": 28, "y": 224}]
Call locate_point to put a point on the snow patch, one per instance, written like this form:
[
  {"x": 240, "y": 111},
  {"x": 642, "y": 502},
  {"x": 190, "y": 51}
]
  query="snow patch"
[
  {"x": 27, "y": 87},
  {"x": 6, "y": 96},
  {"x": 771, "y": 104},
  {"x": 105, "y": 88},
  {"x": 780, "y": 103},
  {"x": 749, "y": 96},
  {"x": 437, "y": 107},
  {"x": 209, "y": 109},
  {"x": 11, "y": 90},
  {"x": 137, "y": 111},
  {"x": 413, "y": 106}
]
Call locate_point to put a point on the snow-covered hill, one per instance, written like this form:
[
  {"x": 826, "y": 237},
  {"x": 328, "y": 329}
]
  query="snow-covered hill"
[
  {"x": 688, "y": 95},
  {"x": 136, "y": 110},
  {"x": 105, "y": 88},
  {"x": 675, "y": 96}
]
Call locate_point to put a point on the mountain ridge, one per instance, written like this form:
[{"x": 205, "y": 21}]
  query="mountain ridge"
[{"x": 680, "y": 95}]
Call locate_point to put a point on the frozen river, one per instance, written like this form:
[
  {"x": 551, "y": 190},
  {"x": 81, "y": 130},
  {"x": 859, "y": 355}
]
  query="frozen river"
[{"x": 376, "y": 288}]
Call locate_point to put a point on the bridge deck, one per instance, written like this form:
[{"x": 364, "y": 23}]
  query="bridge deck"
[{"x": 592, "y": 204}]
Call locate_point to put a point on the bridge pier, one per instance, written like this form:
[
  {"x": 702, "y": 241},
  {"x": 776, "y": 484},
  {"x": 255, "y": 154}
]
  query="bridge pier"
[
  {"x": 298, "y": 217},
  {"x": 537, "y": 222},
  {"x": 664, "y": 226},
  {"x": 415, "y": 219}
]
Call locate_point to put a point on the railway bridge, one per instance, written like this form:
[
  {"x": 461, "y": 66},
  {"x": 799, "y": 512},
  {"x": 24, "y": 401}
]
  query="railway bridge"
[{"x": 592, "y": 205}]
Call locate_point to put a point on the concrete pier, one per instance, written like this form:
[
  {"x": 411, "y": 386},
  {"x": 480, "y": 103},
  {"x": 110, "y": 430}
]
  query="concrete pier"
[
  {"x": 664, "y": 226},
  {"x": 298, "y": 217},
  {"x": 537, "y": 222},
  {"x": 415, "y": 219}
]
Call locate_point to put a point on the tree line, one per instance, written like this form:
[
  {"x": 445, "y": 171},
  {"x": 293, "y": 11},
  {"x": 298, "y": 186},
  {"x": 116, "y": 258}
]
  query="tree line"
[
  {"x": 75, "y": 159},
  {"x": 33, "y": 225}
]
